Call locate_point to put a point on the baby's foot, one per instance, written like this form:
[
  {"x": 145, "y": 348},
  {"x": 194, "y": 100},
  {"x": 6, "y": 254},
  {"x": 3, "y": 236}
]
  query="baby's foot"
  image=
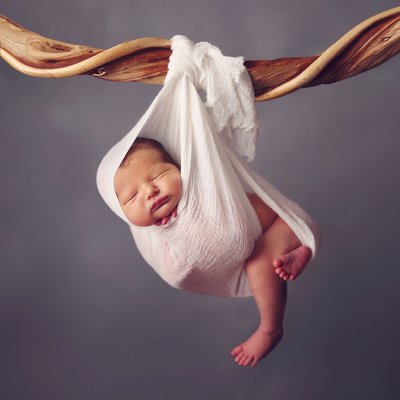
[
  {"x": 292, "y": 264},
  {"x": 256, "y": 347}
]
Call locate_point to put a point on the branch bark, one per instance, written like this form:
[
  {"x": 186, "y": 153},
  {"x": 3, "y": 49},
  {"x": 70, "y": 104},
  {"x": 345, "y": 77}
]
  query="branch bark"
[{"x": 366, "y": 46}]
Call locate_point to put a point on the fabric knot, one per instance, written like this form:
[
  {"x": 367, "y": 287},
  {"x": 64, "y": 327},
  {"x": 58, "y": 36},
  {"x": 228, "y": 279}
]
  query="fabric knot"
[{"x": 183, "y": 60}]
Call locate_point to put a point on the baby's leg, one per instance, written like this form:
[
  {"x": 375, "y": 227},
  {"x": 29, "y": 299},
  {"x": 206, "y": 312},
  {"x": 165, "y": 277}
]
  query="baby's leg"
[
  {"x": 269, "y": 293},
  {"x": 288, "y": 265},
  {"x": 268, "y": 289}
]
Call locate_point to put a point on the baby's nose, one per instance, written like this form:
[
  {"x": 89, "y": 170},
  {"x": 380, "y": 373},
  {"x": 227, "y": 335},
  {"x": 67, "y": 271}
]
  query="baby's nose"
[{"x": 153, "y": 191}]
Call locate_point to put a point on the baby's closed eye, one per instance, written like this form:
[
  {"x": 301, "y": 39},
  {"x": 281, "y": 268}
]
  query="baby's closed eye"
[
  {"x": 159, "y": 175},
  {"x": 131, "y": 198}
]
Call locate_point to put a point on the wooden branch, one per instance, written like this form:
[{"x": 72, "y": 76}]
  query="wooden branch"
[{"x": 367, "y": 45}]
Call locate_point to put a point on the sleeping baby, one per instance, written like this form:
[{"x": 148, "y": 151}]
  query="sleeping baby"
[{"x": 148, "y": 186}]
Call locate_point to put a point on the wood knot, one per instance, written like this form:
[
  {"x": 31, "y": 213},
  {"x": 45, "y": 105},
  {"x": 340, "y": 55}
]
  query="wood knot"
[
  {"x": 99, "y": 72},
  {"x": 386, "y": 38},
  {"x": 60, "y": 47}
]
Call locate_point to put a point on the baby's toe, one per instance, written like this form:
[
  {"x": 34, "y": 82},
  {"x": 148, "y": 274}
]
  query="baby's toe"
[
  {"x": 236, "y": 350},
  {"x": 254, "y": 362},
  {"x": 248, "y": 360},
  {"x": 278, "y": 270},
  {"x": 277, "y": 263},
  {"x": 240, "y": 357},
  {"x": 282, "y": 274},
  {"x": 245, "y": 359}
]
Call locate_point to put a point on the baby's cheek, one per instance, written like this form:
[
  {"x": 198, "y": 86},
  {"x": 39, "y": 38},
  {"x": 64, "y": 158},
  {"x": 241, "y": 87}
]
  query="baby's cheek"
[
  {"x": 178, "y": 184},
  {"x": 132, "y": 215}
]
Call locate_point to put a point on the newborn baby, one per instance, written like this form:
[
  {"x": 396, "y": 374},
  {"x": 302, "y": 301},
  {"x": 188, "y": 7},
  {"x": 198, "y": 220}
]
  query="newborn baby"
[{"x": 148, "y": 186}]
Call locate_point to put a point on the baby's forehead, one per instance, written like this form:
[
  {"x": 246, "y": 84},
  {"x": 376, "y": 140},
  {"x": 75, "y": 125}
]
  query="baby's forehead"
[
  {"x": 150, "y": 152},
  {"x": 135, "y": 165},
  {"x": 151, "y": 155}
]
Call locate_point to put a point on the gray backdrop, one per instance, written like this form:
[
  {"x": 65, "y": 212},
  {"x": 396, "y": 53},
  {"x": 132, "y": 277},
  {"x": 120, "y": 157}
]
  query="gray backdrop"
[{"x": 82, "y": 315}]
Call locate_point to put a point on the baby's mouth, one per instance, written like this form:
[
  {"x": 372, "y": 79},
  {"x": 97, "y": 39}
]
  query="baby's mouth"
[{"x": 160, "y": 202}]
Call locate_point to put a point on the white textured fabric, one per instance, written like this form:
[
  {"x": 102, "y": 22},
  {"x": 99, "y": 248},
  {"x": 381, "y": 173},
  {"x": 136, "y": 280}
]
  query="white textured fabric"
[{"x": 205, "y": 248}]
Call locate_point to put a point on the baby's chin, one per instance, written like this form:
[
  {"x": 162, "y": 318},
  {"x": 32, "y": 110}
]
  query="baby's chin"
[{"x": 141, "y": 224}]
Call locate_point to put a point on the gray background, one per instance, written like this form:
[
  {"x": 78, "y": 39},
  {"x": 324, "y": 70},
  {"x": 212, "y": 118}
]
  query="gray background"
[{"x": 82, "y": 315}]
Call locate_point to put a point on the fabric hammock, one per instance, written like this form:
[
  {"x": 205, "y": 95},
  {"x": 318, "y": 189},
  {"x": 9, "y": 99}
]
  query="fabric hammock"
[{"x": 205, "y": 248}]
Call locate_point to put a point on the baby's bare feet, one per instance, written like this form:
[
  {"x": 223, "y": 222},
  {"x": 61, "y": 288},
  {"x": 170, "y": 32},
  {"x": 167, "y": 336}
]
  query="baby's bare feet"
[
  {"x": 291, "y": 265},
  {"x": 256, "y": 347}
]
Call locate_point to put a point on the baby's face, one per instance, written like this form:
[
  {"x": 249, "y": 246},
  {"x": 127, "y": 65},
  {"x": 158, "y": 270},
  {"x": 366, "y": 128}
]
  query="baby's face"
[{"x": 147, "y": 188}]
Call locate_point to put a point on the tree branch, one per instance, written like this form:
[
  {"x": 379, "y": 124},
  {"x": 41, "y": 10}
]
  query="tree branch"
[{"x": 366, "y": 46}]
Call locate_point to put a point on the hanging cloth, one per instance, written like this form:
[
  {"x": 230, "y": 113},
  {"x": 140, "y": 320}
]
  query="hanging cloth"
[{"x": 205, "y": 248}]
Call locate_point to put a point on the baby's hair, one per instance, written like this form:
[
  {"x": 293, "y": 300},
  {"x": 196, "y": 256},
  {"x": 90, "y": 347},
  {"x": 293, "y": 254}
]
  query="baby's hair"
[{"x": 149, "y": 144}]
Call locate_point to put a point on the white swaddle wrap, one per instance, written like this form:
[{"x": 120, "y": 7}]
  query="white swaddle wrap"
[{"x": 205, "y": 248}]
